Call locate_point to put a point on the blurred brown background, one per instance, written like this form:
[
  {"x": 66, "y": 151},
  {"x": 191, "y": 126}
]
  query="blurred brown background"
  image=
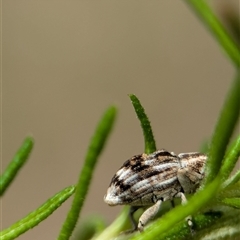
[{"x": 65, "y": 62}]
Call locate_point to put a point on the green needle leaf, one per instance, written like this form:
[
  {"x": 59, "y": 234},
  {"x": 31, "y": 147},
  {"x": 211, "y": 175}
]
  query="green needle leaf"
[
  {"x": 14, "y": 166},
  {"x": 95, "y": 148},
  {"x": 35, "y": 217},
  {"x": 232, "y": 180},
  {"x": 150, "y": 145},
  {"x": 231, "y": 202},
  {"x": 216, "y": 28}
]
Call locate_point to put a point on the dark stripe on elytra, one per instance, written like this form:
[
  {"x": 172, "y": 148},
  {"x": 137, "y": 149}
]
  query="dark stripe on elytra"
[
  {"x": 136, "y": 165},
  {"x": 163, "y": 154},
  {"x": 128, "y": 163},
  {"x": 150, "y": 174},
  {"x": 120, "y": 183},
  {"x": 122, "y": 186},
  {"x": 139, "y": 166},
  {"x": 166, "y": 159},
  {"x": 114, "y": 179}
]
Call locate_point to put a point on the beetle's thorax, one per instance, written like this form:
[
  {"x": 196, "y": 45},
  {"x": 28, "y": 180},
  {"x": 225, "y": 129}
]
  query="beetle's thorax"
[{"x": 196, "y": 161}]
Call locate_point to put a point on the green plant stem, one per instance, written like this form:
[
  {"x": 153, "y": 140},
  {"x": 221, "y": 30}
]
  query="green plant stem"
[
  {"x": 232, "y": 202},
  {"x": 118, "y": 225},
  {"x": 227, "y": 227},
  {"x": 37, "y": 216},
  {"x": 182, "y": 231},
  {"x": 230, "y": 160},
  {"x": 90, "y": 227},
  {"x": 216, "y": 28},
  {"x": 15, "y": 165},
  {"x": 150, "y": 145},
  {"x": 96, "y": 145},
  {"x": 224, "y": 129},
  {"x": 231, "y": 181}
]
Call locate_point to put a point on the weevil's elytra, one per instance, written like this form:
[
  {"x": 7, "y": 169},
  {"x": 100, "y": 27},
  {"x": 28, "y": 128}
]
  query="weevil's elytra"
[{"x": 151, "y": 179}]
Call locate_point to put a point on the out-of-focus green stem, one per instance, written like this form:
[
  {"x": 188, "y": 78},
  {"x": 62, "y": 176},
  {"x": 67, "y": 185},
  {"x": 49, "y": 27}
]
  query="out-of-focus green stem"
[
  {"x": 223, "y": 131},
  {"x": 216, "y": 28},
  {"x": 118, "y": 225},
  {"x": 95, "y": 148},
  {"x": 230, "y": 160},
  {"x": 15, "y": 165},
  {"x": 37, "y": 216}
]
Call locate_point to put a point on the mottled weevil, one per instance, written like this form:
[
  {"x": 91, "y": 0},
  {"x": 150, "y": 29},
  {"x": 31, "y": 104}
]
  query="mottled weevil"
[{"x": 149, "y": 179}]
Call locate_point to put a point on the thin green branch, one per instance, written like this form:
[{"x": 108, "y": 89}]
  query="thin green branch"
[
  {"x": 182, "y": 231},
  {"x": 119, "y": 224},
  {"x": 231, "y": 192},
  {"x": 223, "y": 131},
  {"x": 150, "y": 145},
  {"x": 227, "y": 227},
  {"x": 15, "y": 165},
  {"x": 91, "y": 226},
  {"x": 37, "y": 216},
  {"x": 232, "y": 180},
  {"x": 231, "y": 202},
  {"x": 95, "y": 148},
  {"x": 230, "y": 160},
  {"x": 216, "y": 28}
]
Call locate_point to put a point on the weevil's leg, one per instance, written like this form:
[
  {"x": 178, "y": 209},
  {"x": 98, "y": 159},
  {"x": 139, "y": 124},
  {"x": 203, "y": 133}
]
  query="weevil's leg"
[
  {"x": 184, "y": 201},
  {"x": 189, "y": 181},
  {"x": 148, "y": 215},
  {"x": 131, "y": 212},
  {"x": 172, "y": 203}
]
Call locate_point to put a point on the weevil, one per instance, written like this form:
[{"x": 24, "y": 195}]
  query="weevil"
[{"x": 147, "y": 180}]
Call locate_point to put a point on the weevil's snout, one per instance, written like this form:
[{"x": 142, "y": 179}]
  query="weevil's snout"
[{"x": 111, "y": 197}]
